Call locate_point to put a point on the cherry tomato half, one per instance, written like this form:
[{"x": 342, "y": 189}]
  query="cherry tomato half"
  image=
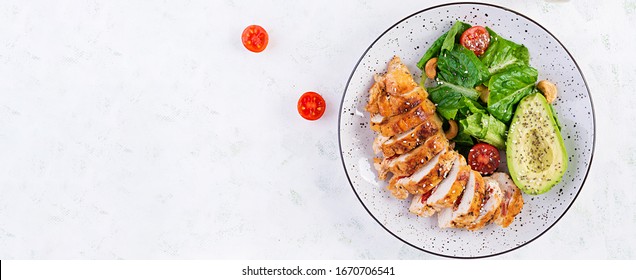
[
  {"x": 311, "y": 106},
  {"x": 476, "y": 39},
  {"x": 255, "y": 38},
  {"x": 483, "y": 158}
]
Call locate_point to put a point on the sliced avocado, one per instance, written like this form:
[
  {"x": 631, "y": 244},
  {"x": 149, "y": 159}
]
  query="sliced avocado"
[{"x": 535, "y": 151}]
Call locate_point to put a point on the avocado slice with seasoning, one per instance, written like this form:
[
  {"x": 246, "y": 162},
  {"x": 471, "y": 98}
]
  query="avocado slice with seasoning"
[{"x": 535, "y": 152}]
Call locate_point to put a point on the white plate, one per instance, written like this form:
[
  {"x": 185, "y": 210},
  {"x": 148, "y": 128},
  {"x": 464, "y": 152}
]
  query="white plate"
[{"x": 409, "y": 39}]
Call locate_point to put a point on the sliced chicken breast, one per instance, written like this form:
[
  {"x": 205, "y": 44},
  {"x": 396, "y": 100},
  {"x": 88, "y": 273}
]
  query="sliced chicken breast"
[
  {"x": 492, "y": 201},
  {"x": 451, "y": 187},
  {"x": 512, "y": 200},
  {"x": 404, "y": 142},
  {"x": 398, "y": 78},
  {"x": 419, "y": 206},
  {"x": 391, "y": 105},
  {"x": 467, "y": 206},
  {"x": 424, "y": 179},
  {"x": 404, "y": 122},
  {"x": 377, "y": 143},
  {"x": 406, "y": 164},
  {"x": 395, "y": 92}
]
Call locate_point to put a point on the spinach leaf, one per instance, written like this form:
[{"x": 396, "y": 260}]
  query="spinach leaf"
[
  {"x": 449, "y": 98},
  {"x": 502, "y": 54},
  {"x": 508, "y": 88},
  {"x": 461, "y": 67},
  {"x": 441, "y": 43},
  {"x": 432, "y": 51},
  {"x": 457, "y": 29}
]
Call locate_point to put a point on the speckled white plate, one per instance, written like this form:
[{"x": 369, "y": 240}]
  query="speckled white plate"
[{"x": 409, "y": 39}]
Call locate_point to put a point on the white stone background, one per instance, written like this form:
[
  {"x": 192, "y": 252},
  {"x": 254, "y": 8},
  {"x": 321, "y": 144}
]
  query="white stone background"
[{"x": 144, "y": 130}]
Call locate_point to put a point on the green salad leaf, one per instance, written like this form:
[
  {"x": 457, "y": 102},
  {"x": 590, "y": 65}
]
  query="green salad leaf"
[
  {"x": 503, "y": 68},
  {"x": 463, "y": 138},
  {"x": 503, "y": 54},
  {"x": 460, "y": 66},
  {"x": 486, "y": 128},
  {"x": 472, "y": 107},
  {"x": 508, "y": 88},
  {"x": 451, "y": 37},
  {"x": 434, "y": 50},
  {"x": 449, "y": 98},
  {"x": 459, "y": 71}
]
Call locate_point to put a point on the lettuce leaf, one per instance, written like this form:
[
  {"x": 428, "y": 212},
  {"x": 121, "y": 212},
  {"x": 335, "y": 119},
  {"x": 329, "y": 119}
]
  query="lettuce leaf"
[
  {"x": 459, "y": 71},
  {"x": 449, "y": 98},
  {"x": 441, "y": 43},
  {"x": 461, "y": 67},
  {"x": 432, "y": 51},
  {"x": 508, "y": 88},
  {"x": 485, "y": 128},
  {"x": 471, "y": 107},
  {"x": 451, "y": 37},
  {"x": 503, "y": 54},
  {"x": 463, "y": 138}
]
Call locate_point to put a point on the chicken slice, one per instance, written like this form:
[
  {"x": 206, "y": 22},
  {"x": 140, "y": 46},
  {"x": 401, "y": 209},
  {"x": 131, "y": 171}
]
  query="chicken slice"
[
  {"x": 404, "y": 122},
  {"x": 419, "y": 206},
  {"x": 424, "y": 179},
  {"x": 386, "y": 105},
  {"x": 449, "y": 189},
  {"x": 378, "y": 142},
  {"x": 406, "y": 164},
  {"x": 512, "y": 200},
  {"x": 467, "y": 206},
  {"x": 398, "y": 78},
  {"x": 406, "y": 141},
  {"x": 492, "y": 201},
  {"x": 395, "y": 92}
]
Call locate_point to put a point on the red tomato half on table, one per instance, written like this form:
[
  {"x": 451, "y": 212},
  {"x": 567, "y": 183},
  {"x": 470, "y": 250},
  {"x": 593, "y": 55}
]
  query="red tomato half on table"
[
  {"x": 255, "y": 38},
  {"x": 476, "y": 39},
  {"x": 311, "y": 106}
]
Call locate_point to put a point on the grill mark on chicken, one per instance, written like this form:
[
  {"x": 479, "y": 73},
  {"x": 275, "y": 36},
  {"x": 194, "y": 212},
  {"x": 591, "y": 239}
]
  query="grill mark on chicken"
[
  {"x": 406, "y": 164},
  {"x": 394, "y": 92},
  {"x": 404, "y": 143},
  {"x": 391, "y": 126}
]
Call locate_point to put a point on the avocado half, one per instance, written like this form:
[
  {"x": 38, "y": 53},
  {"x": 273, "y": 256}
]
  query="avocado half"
[{"x": 535, "y": 152}]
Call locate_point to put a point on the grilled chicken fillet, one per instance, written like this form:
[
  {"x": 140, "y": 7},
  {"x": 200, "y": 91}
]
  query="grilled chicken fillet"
[
  {"x": 395, "y": 92},
  {"x": 449, "y": 189},
  {"x": 404, "y": 122},
  {"x": 512, "y": 200},
  {"x": 412, "y": 150},
  {"x": 406, "y": 164},
  {"x": 467, "y": 206},
  {"x": 426, "y": 178},
  {"x": 492, "y": 201},
  {"x": 406, "y": 141}
]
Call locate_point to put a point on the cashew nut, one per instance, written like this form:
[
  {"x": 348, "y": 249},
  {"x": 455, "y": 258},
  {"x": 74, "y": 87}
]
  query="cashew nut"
[
  {"x": 548, "y": 89},
  {"x": 430, "y": 68},
  {"x": 484, "y": 92},
  {"x": 452, "y": 130}
]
